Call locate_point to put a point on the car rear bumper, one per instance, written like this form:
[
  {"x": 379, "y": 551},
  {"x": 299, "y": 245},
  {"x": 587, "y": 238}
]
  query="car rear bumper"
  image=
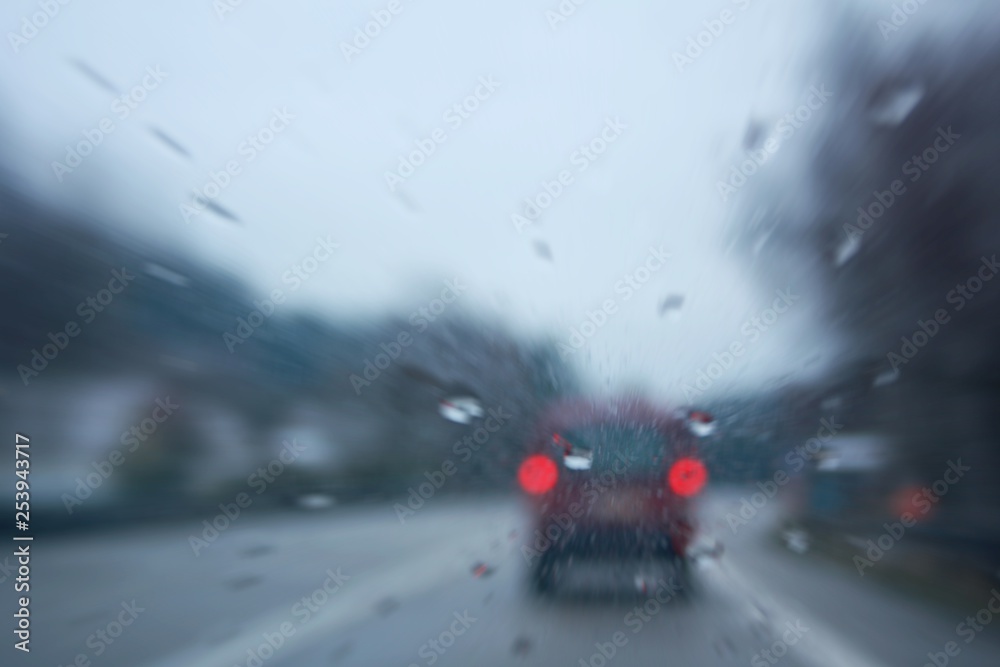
[{"x": 603, "y": 541}]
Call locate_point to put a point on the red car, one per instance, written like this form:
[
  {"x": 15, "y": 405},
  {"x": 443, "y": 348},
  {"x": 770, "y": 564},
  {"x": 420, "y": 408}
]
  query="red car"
[{"x": 613, "y": 482}]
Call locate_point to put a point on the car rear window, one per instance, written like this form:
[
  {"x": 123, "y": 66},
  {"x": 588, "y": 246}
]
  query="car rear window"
[{"x": 599, "y": 447}]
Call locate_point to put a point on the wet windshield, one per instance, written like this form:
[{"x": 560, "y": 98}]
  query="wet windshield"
[{"x": 346, "y": 334}]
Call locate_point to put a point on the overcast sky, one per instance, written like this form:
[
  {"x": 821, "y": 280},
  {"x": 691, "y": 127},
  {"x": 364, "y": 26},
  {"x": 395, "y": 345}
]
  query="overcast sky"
[{"x": 679, "y": 131}]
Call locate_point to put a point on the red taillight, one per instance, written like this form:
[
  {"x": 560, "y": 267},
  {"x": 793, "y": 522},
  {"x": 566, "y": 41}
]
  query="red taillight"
[
  {"x": 904, "y": 501},
  {"x": 687, "y": 476},
  {"x": 538, "y": 474}
]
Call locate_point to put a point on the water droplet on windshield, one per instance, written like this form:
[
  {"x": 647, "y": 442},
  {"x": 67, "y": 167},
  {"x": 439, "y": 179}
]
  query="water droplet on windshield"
[
  {"x": 386, "y": 606},
  {"x": 258, "y": 550},
  {"x": 701, "y": 423},
  {"x": 754, "y": 135},
  {"x": 480, "y": 570},
  {"x": 831, "y": 403},
  {"x": 342, "y": 652},
  {"x": 460, "y": 409},
  {"x": 221, "y": 212},
  {"x": 891, "y": 104},
  {"x": 672, "y": 302},
  {"x": 243, "y": 582},
  {"x": 847, "y": 249},
  {"x": 163, "y": 273},
  {"x": 521, "y": 646},
  {"x": 316, "y": 501},
  {"x": 797, "y": 541},
  {"x": 95, "y": 76},
  {"x": 887, "y": 377},
  {"x": 169, "y": 142}
]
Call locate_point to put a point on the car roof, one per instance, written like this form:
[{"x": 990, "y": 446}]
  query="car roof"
[{"x": 581, "y": 412}]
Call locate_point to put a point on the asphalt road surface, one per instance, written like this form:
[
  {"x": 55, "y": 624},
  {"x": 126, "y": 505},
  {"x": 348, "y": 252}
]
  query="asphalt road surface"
[{"x": 354, "y": 586}]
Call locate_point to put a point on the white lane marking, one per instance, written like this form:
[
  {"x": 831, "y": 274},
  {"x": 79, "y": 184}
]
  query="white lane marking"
[
  {"x": 353, "y": 603},
  {"x": 822, "y": 646}
]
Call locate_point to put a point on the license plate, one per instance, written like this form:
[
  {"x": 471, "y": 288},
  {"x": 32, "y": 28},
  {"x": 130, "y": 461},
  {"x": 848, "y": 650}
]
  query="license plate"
[{"x": 618, "y": 505}]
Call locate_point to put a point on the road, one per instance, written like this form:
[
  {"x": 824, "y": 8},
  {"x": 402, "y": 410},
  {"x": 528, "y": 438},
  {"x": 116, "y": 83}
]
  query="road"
[{"x": 445, "y": 588}]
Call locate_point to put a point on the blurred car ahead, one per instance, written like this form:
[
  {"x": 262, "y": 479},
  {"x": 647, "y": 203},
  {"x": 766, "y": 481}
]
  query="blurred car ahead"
[{"x": 611, "y": 484}]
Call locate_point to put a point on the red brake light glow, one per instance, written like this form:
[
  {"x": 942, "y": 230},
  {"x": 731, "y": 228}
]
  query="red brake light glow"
[
  {"x": 687, "y": 476},
  {"x": 538, "y": 474}
]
